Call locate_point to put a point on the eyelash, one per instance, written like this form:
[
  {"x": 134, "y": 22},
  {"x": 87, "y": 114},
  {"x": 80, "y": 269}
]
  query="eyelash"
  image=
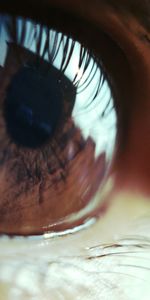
[{"x": 18, "y": 35}]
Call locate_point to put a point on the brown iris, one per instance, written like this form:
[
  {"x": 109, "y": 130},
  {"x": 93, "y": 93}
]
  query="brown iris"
[{"x": 48, "y": 171}]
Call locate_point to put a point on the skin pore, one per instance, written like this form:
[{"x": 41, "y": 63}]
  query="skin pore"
[{"x": 110, "y": 259}]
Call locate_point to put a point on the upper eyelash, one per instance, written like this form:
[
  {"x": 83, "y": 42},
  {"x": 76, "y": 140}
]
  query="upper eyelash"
[{"x": 17, "y": 35}]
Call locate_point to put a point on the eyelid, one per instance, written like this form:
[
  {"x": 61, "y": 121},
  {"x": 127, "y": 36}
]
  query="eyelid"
[
  {"x": 87, "y": 31},
  {"x": 81, "y": 25},
  {"x": 68, "y": 11},
  {"x": 109, "y": 17}
]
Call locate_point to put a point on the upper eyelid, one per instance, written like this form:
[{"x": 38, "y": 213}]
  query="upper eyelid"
[
  {"x": 52, "y": 12},
  {"x": 84, "y": 9},
  {"x": 106, "y": 21},
  {"x": 84, "y": 31}
]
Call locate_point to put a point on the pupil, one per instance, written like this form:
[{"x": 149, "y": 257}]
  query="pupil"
[{"x": 33, "y": 107}]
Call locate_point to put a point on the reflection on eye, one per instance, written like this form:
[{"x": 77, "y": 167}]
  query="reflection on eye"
[{"x": 58, "y": 129}]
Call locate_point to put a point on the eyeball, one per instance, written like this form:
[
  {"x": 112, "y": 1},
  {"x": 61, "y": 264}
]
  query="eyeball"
[{"x": 57, "y": 133}]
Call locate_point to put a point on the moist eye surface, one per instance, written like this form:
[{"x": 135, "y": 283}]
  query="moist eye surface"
[{"x": 57, "y": 132}]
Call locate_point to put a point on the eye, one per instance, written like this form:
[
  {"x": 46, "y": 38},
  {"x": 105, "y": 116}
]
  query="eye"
[{"x": 58, "y": 129}]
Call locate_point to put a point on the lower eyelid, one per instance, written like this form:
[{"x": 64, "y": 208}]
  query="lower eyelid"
[{"x": 80, "y": 257}]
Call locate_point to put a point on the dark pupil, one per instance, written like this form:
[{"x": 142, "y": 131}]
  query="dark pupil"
[{"x": 32, "y": 107}]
